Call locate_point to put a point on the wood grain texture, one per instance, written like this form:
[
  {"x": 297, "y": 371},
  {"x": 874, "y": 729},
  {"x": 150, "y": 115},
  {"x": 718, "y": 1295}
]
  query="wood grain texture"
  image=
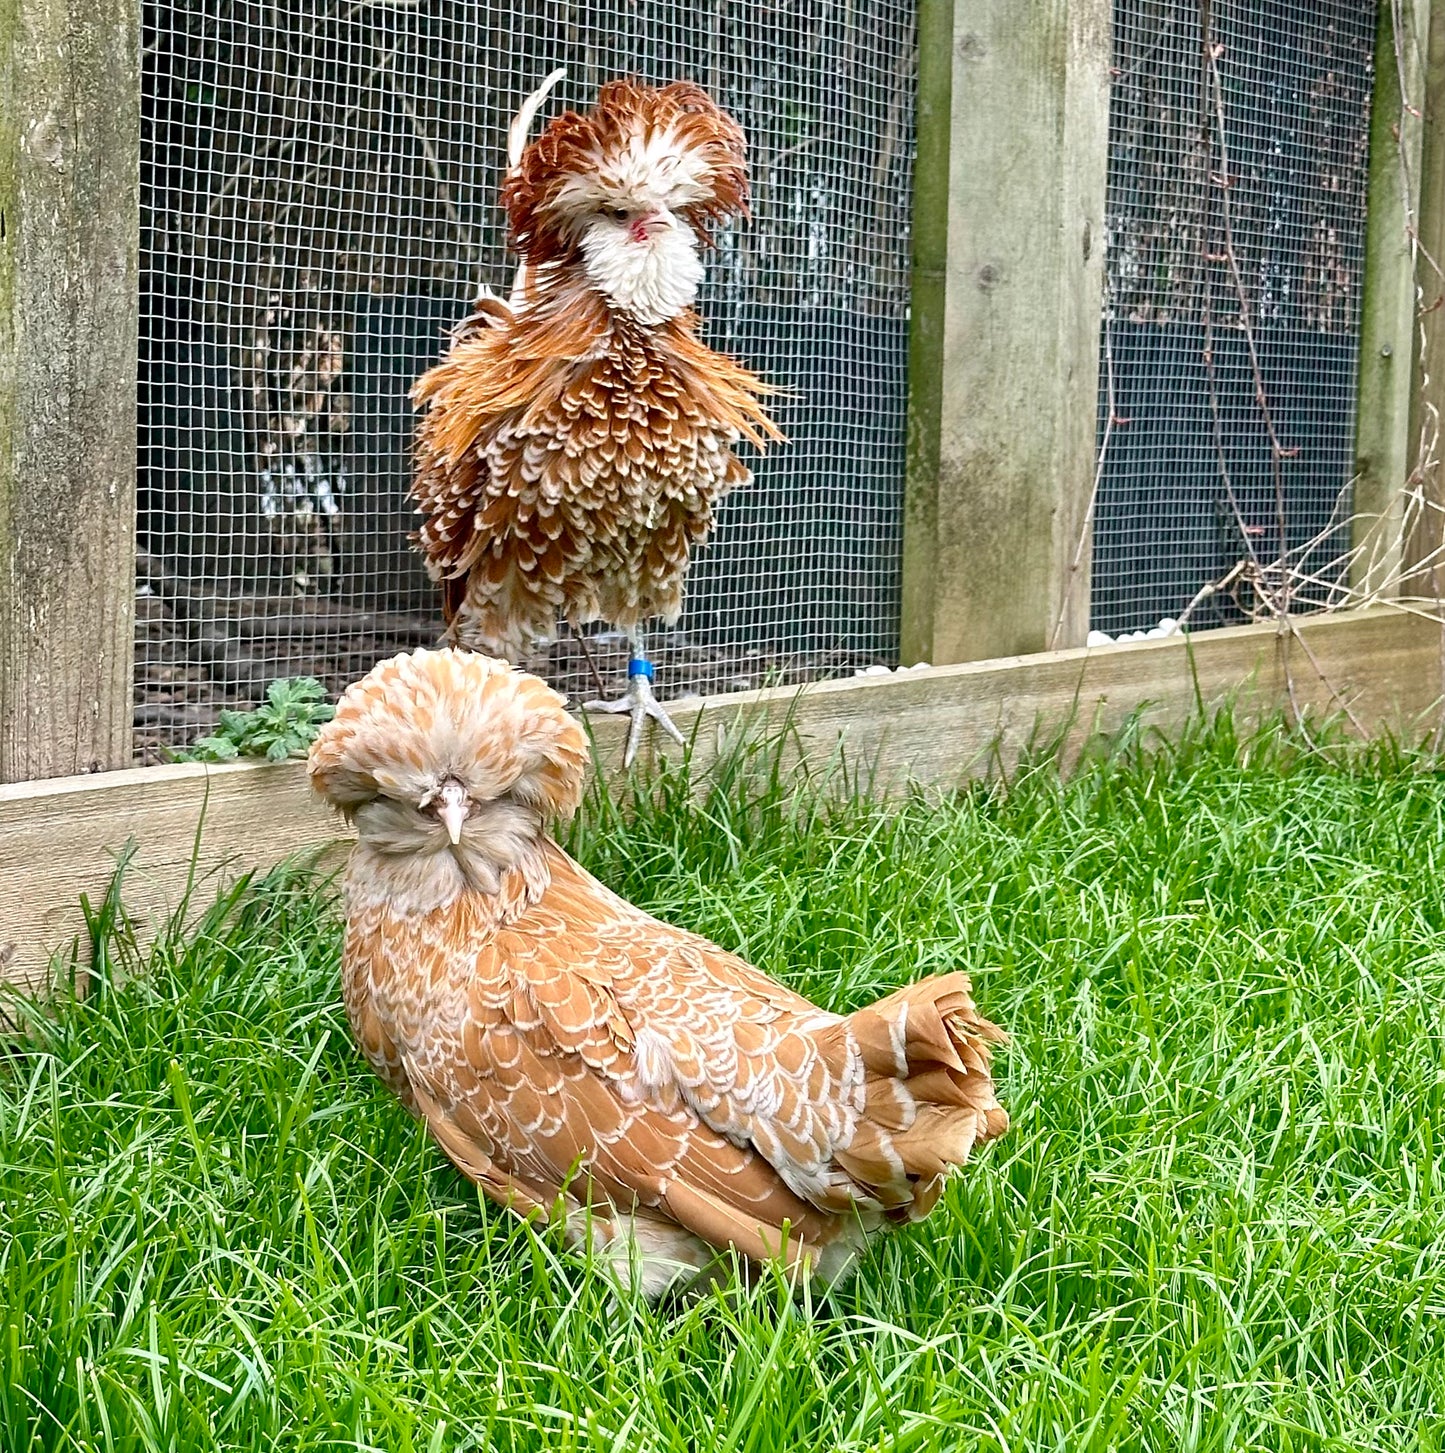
[
  {"x": 996, "y": 547},
  {"x": 1426, "y": 539},
  {"x": 928, "y": 292},
  {"x": 59, "y": 839},
  {"x": 69, "y": 168},
  {"x": 1383, "y": 445},
  {"x": 62, "y": 837}
]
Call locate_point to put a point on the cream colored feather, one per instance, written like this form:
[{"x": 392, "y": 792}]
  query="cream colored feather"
[{"x": 572, "y": 1054}]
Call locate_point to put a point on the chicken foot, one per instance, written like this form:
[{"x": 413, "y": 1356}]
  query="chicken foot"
[{"x": 639, "y": 701}]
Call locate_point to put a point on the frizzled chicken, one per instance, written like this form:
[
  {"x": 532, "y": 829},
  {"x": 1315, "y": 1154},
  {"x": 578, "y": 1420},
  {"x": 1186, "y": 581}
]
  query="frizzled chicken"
[
  {"x": 573, "y": 1055},
  {"x": 577, "y": 439}
]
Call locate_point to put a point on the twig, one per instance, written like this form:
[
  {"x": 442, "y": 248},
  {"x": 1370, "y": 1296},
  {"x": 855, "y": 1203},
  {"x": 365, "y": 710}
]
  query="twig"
[
  {"x": 1299, "y": 719},
  {"x": 1086, "y": 526},
  {"x": 1212, "y": 588},
  {"x": 1295, "y": 633},
  {"x": 279, "y": 147},
  {"x": 1278, "y": 453},
  {"x": 433, "y": 163}
]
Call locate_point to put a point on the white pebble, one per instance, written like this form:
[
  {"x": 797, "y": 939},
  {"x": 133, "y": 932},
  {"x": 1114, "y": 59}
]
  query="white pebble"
[{"x": 1099, "y": 638}]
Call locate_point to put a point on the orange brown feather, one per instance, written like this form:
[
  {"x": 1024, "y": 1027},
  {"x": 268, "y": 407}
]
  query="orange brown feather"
[
  {"x": 569, "y": 1050},
  {"x": 579, "y": 145},
  {"x": 571, "y": 454}
]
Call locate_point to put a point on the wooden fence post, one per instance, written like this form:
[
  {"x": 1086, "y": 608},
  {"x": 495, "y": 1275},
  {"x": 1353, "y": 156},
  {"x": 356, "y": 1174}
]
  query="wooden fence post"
[
  {"x": 1013, "y": 117},
  {"x": 1426, "y": 538},
  {"x": 1383, "y": 445},
  {"x": 69, "y": 168}
]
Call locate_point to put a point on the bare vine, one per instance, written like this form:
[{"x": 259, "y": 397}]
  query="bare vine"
[{"x": 1273, "y": 580}]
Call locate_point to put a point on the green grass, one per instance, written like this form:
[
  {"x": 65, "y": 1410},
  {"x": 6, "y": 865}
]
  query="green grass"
[{"x": 1217, "y": 1222}]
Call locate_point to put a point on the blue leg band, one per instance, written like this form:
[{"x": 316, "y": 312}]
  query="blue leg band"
[{"x": 637, "y": 666}]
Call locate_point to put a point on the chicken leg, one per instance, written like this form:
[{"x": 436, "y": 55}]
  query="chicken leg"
[{"x": 639, "y": 701}]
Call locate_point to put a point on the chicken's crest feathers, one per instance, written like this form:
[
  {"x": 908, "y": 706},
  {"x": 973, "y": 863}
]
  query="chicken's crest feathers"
[
  {"x": 669, "y": 146},
  {"x": 429, "y": 714},
  {"x": 567, "y": 1049},
  {"x": 526, "y": 114}
]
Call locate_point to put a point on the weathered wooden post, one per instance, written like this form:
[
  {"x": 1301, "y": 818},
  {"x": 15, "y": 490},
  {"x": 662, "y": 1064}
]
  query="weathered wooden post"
[
  {"x": 1013, "y": 121},
  {"x": 1383, "y": 443},
  {"x": 69, "y": 166},
  {"x": 1426, "y": 438}
]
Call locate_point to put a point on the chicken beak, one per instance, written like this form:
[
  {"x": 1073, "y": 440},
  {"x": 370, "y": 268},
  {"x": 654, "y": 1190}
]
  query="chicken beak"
[
  {"x": 648, "y": 223},
  {"x": 453, "y": 806}
]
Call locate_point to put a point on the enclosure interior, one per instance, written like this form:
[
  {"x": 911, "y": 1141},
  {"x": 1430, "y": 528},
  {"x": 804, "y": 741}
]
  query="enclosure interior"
[
  {"x": 319, "y": 203},
  {"x": 1234, "y": 275}
]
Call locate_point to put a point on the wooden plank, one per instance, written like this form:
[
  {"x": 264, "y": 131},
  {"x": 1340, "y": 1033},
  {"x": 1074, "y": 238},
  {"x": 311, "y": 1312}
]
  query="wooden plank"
[
  {"x": 996, "y": 549},
  {"x": 1387, "y": 338},
  {"x": 59, "y": 839},
  {"x": 1425, "y": 542},
  {"x": 69, "y": 168},
  {"x": 62, "y": 837}
]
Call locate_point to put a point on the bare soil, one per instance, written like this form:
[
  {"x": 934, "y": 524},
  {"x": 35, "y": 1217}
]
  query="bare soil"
[{"x": 198, "y": 654}]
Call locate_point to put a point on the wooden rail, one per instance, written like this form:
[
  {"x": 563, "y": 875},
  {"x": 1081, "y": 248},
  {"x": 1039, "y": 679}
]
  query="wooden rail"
[{"x": 201, "y": 825}]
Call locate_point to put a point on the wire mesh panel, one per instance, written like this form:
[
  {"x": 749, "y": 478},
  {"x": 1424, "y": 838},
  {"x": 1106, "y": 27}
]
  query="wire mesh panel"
[
  {"x": 319, "y": 202},
  {"x": 1236, "y": 215}
]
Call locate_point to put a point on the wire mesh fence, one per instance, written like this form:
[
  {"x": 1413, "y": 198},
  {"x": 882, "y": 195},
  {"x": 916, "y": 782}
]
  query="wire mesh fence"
[
  {"x": 319, "y": 202},
  {"x": 1239, "y": 147}
]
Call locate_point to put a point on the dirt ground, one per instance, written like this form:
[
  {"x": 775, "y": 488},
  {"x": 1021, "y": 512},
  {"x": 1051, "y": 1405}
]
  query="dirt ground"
[{"x": 196, "y": 656}]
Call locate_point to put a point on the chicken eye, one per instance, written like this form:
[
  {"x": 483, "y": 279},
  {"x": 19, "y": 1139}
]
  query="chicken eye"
[{"x": 618, "y": 214}]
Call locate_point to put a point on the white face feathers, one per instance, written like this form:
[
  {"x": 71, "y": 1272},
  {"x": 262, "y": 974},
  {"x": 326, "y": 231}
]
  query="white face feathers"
[
  {"x": 639, "y": 253},
  {"x": 644, "y": 263}
]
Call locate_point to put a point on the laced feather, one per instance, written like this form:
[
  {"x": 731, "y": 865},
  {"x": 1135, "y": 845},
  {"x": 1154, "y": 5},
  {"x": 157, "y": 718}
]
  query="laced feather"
[
  {"x": 570, "y": 456},
  {"x": 568, "y": 1050}
]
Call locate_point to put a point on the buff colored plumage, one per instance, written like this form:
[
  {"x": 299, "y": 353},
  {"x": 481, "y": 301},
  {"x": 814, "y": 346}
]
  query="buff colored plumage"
[
  {"x": 572, "y": 1054},
  {"x": 577, "y": 439}
]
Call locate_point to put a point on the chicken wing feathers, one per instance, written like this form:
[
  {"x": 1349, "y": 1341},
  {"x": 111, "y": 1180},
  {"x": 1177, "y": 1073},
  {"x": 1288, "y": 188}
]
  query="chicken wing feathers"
[
  {"x": 587, "y": 1048},
  {"x": 572, "y": 1053}
]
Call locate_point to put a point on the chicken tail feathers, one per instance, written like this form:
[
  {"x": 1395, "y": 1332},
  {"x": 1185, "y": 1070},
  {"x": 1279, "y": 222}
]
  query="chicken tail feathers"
[{"x": 928, "y": 1092}]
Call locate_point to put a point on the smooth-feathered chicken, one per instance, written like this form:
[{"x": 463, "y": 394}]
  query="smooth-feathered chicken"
[
  {"x": 572, "y": 1054},
  {"x": 577, "y": 439}
]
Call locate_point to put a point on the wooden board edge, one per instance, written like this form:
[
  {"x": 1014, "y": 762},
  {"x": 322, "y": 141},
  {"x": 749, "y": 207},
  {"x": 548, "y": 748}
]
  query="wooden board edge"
[
  {"x": 1385, "y": 379},
  {"x": 195, "y": 827}
]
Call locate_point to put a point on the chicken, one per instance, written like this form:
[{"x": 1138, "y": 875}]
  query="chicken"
[
  {"x": 576, "y": 1057},
  {"x": 576, "y": 439}
]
